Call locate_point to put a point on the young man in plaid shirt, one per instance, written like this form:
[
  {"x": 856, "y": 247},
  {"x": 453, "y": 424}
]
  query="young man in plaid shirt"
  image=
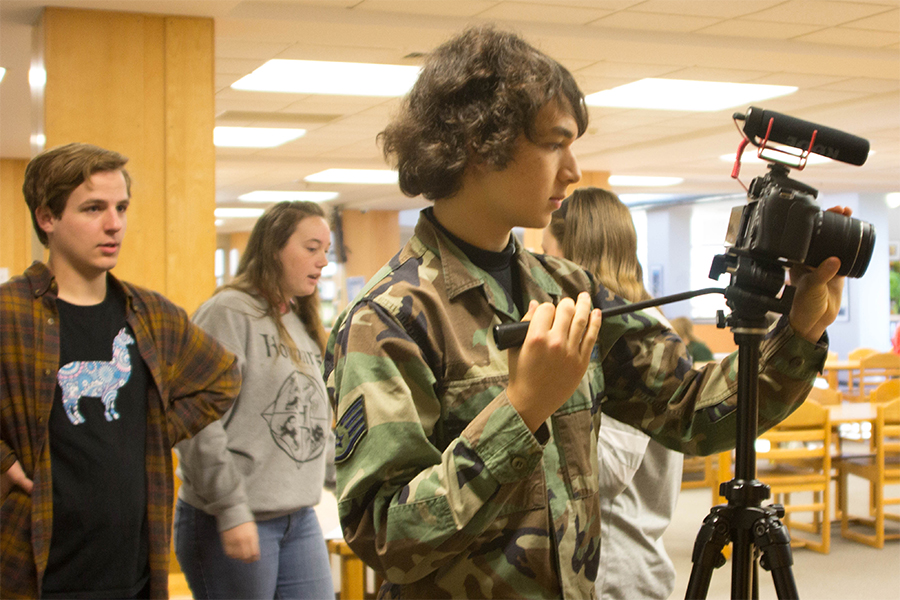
[{"x": 100, "y": 378}]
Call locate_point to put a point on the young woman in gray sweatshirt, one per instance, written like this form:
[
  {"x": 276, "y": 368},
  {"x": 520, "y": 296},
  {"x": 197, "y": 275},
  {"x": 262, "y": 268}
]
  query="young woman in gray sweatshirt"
[{"x": 244, "y": 522}]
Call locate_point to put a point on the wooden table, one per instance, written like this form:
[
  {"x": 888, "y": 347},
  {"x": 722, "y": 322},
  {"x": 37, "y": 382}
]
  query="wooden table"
[
  {"x": 834, "y": 367},
  {"x": 851, "y": 412}
]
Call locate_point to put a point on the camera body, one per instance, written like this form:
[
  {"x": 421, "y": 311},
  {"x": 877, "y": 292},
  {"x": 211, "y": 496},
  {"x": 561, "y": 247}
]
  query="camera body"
[{"x": 783, "y": 225}]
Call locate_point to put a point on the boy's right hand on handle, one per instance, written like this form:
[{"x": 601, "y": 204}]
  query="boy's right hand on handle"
[{"x": 546, "y": 370}]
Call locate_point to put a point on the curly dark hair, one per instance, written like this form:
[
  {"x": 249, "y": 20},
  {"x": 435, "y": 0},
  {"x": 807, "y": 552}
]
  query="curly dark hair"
[{"x": 475, "y": 95}]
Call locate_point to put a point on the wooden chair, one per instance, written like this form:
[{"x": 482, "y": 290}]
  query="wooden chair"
[
  {"x": 880, "y": 469},
  {"x": 885, "y": 392},
  {"x": 353, "y": 570},
  {"x": 798, "y": 461},
  {"x": 698, "y": 472},
  {"x": 857, "y": 354},
  {"x": 860, "y": 353},
  {"x": 875, "y": 369},
  {"x": 824, "y": 396}
]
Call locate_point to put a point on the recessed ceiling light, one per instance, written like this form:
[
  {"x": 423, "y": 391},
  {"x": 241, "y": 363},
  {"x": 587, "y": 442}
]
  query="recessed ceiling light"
[
  {"x": 353, "y": 176},
  {"x": 281, "y": 196},
  {"x": 325, "y": 77},
  {"x": 254, "y": 137},
  {"x": 683, "y": 94},
  {"x": 238, "y": 213},
  {"x": 892, "y": 199},
  {"x": 639, "y": 181}
]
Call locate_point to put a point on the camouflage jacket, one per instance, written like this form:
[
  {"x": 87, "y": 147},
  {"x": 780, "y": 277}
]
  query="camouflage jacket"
[{"x": 441, "y": 486}]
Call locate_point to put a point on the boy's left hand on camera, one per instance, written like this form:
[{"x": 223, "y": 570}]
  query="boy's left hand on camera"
[{"x": 818, "y": 296}]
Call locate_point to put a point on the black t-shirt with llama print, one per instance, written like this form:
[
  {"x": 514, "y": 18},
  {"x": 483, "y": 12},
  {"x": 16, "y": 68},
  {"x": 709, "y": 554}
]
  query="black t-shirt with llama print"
[{"x": 98, "y": 425}]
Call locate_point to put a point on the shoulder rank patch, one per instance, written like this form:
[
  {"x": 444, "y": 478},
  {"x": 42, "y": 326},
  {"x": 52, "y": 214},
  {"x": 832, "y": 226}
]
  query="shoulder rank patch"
[{"x": 350, "y": 430}]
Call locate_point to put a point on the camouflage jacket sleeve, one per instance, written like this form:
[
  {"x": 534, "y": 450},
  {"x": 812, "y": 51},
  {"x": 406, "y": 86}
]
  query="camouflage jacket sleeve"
[
  {"x": 646, "y": 379},
  {"x": 421, "y": 506}
]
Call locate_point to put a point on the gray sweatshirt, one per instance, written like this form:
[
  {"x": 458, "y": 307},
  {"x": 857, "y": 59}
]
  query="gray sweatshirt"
[{"x": 268, "y": 455}]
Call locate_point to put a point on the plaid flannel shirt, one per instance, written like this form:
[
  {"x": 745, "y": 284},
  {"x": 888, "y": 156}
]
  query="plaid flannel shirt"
[{"x": 194, "y": 381}]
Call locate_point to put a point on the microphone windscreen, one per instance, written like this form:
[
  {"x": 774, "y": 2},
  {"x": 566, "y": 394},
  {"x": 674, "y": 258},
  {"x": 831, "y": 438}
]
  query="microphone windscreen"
[{"x": 829, "y": 142}]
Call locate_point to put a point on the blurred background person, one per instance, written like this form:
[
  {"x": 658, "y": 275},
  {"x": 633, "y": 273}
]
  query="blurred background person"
[
  {"x": 245, "y": 526},
  {"x": 639, "y": 478},
  {"x": 700, "y": 352}
]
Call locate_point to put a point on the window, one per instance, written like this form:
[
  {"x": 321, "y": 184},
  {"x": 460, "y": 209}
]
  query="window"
[{"x": 709, "y": 222}]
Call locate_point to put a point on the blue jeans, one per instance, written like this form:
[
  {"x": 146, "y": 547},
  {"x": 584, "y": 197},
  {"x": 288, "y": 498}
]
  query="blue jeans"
[{"x": 293, "y": 561}]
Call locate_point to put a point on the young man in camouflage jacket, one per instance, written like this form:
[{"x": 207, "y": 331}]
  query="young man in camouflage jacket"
[{"x": 468, "y": 472}]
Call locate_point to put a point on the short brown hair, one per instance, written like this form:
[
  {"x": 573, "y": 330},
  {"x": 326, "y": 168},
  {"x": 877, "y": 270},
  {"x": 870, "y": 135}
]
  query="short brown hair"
[
  {"x": 52, "y": 176},
  {"x": 476, "y": 94}
]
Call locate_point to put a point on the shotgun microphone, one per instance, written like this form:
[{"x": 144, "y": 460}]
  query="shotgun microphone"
[{"x": 829, "y": 142}]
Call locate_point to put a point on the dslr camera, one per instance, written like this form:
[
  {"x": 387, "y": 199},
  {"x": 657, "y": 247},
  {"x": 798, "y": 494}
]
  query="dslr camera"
[{"x": 782, "y": 224}]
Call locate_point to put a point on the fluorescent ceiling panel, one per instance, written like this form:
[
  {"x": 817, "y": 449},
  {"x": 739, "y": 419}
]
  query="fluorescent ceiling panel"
[
  {"x": 324, "y": 77},
  {"x": 353, "y": 176},
  {"x": 639, "y": 181},
  {"x": 254, "y": 137},
  {"x": 281, "y": 196},
  {"x": 683, "y": 94},
  {"x": 237, "y": 213}
]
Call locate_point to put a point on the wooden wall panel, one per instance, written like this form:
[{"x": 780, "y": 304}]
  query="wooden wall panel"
[
  {"x": 190, "y": 161},
  {"x": 372, "y": 238},
  {"x": 15, "y": 219},
  {"x": 143, "y": 85}
]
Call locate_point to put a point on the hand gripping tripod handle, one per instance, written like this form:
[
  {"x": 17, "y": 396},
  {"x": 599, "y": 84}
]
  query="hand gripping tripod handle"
[{"x": 510, "y": 335}]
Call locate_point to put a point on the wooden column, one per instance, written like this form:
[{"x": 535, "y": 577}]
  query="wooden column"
[
  {"x": 371, "y": 238},
  {"x": 15, "y": 220},
  {"x": 532, "y": 237},
  {"x": 141, "y": 85}
]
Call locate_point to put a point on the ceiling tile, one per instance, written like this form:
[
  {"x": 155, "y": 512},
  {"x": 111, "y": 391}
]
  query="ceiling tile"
[
  {"x": 654, "y": 22},
  {"x": 523, "y": 11},
  {"x": 758, "y": 29},
  {"x": 722, "y": 10},
  {"x": 816, "y": 12},
  {"x": 845, "y": 36}
]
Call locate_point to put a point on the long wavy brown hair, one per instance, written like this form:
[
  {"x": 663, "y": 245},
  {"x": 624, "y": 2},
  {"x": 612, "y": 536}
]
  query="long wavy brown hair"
[
  {"x": 594, "y": 229},
  {"x": 260, "y": 273}
]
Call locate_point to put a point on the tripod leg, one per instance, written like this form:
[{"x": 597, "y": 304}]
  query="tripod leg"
[
  {"x": 742, "y": 566},
  {"x": 707, "y": 555},
  {"x": 774, "y": 541}
]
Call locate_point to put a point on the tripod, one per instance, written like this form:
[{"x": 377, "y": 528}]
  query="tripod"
[{"x": 756, "y": 531}]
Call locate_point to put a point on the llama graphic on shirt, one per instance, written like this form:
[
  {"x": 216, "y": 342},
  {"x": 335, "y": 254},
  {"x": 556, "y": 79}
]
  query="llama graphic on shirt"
[
  {"x": 96, "y": 379},
  {"x": 298, "y": 417}
]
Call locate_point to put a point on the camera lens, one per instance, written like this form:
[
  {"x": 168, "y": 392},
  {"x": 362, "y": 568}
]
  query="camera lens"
[{"x": 851, "y": 240}]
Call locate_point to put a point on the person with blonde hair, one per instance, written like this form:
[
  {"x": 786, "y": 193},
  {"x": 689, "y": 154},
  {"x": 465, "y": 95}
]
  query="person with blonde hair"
[
  {"x": 700, "y": 352},
  {"x": 245, "y": 526},
  {"x": 640, "y": 479}
]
